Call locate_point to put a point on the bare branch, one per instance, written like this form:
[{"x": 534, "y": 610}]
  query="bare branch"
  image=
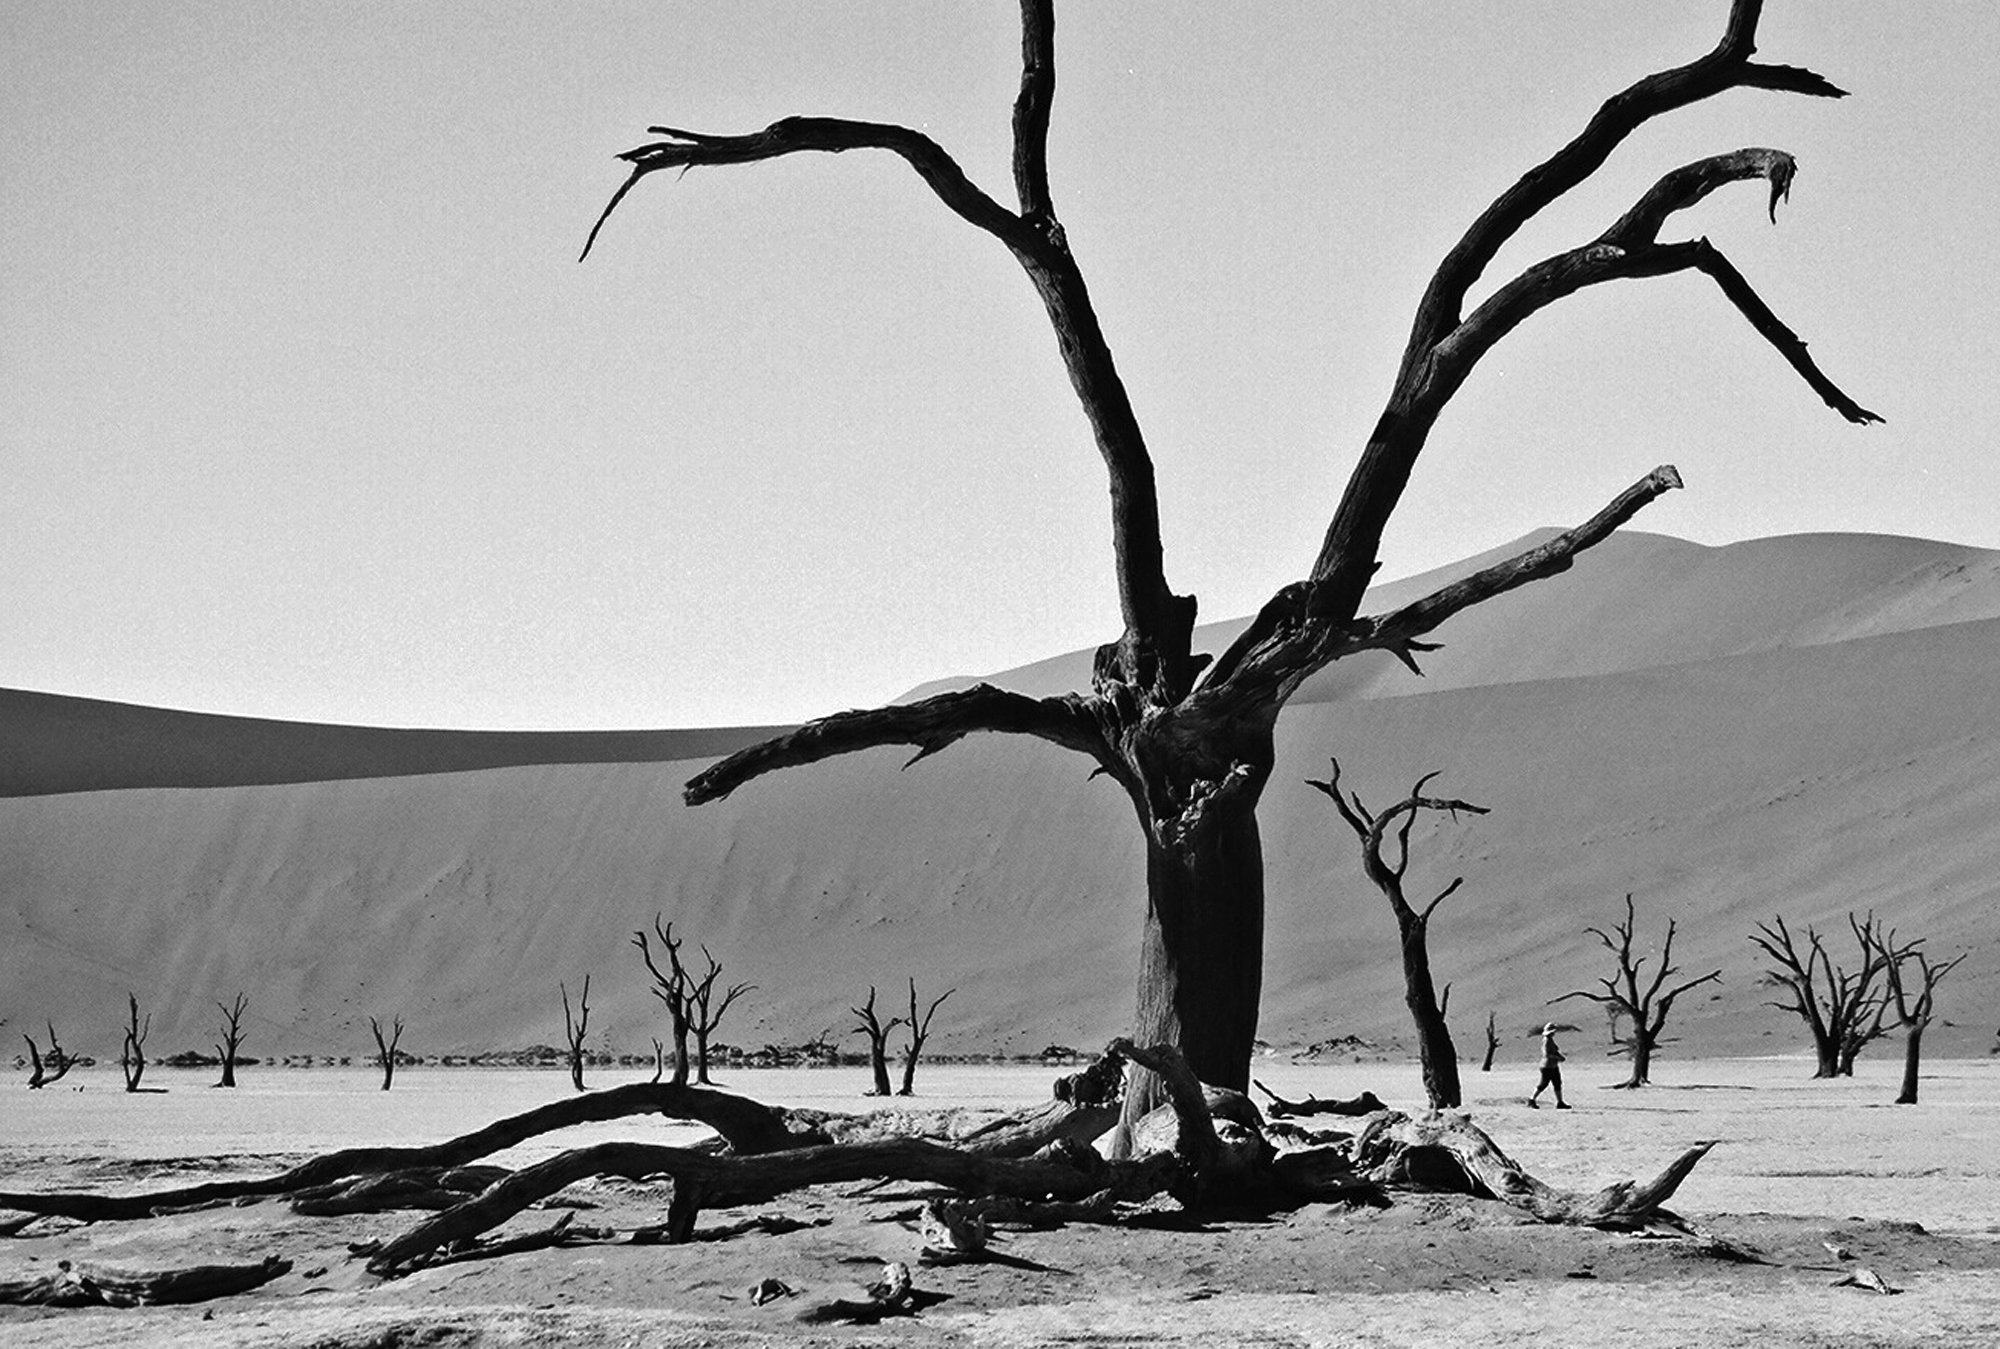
[
  {"x": 1727, "y": 66},
  {"x": 1400, "y": 626},
  {"x": 930, "y": 724},
  {"x": 685, "y": 150},
  {"x": 1031, "y": 108}
]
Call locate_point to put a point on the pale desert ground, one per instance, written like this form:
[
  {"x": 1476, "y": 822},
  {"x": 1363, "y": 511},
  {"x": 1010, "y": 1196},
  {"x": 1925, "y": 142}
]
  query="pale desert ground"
[{"x": 1909, "y": 1192}]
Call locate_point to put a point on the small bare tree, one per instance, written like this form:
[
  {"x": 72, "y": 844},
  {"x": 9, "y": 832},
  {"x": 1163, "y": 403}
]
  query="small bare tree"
[
  {"x": 920, "y": 1031},
  {"x": 575, "y": 1026},
  {"x": 229, "y": 1039},
  {"x": 132, "y": 1058},
  {"x": 1842, "y": 1008},
  {"x": 672, "y": 987},
  {"x": 385, "y": 1048},
  {"x": 1644, "y": 1007},
  {"x": 47, "y": 1068},
  {"x": 1492, "y": 1043},
  {"x": 1427, "y": 1006},
  {"x": 877, "y": 1032},
  {"x": 1913, "y": 999},
  {"x": 705, "y": 1011}
]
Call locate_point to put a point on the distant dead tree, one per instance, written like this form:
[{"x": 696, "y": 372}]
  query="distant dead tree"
[
  {"x": 672, "y": 987},
  {"x": 1913, "y": 999},
  {"x": 1842, "y": 1008},
  {"x": 229, "y": 1038},
  {"x": 1644, "y": 1008},
  {"x": 1435, "y": 1050},
  {"x": 920, "y": 1031},
  {"x": 1492, "y": 1043},
  {"x": 878, "y": 1035},
  {"x": 47, "y": 1068},
  {"x": 575, "y": 1026},
  {"x": 705, "y": 1011},
  {"x": 385, "y": 1048},
  {"x": 132, "y": 1058}
]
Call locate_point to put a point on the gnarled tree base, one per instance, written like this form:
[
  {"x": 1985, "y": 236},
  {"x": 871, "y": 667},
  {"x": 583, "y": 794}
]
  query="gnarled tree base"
[{"x": 1209, "y": 1149}]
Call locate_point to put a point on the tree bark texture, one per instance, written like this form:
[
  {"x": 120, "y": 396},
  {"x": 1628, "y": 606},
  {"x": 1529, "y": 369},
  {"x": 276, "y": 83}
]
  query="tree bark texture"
[{"x": 1201, "y": 954}]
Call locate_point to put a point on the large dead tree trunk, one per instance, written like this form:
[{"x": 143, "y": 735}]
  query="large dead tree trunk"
[
  {"x": 1189, "y": 739},
  {"x": 1643, "y": 1006}
]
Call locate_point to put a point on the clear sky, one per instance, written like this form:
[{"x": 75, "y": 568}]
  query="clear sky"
[{"x": 307, "y": 409}]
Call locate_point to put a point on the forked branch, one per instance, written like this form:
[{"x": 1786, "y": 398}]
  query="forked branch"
[{"x": 930, "y": 724}]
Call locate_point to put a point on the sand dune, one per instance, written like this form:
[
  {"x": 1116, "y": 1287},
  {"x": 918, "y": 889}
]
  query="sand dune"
[{"x": 1801, "y": 725}]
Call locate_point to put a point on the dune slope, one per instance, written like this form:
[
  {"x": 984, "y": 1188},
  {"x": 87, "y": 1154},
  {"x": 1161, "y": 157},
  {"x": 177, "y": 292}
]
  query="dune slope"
[{"x": 1798, "y": 725}]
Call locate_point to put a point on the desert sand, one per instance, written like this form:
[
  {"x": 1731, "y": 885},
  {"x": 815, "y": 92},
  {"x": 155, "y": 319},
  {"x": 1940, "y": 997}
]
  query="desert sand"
[
  {"x": 1908, "y": 1193},
  {"x": 1800, "y": 725}
]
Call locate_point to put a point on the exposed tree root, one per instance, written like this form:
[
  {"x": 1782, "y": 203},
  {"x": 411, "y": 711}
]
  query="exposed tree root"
[
  {"x": 1365, "y": 1104},
  {"x": 82, "y": 1286},
  {"x": 1207, "y": 1148},
  {"x": 745, "y": 1125},
  {"x": 1447, "y": 1151}
]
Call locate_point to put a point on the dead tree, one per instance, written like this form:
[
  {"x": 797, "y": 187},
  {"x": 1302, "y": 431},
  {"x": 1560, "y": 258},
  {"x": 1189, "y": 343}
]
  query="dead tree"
[
  {"x": 1645, "y": 1008},
  {"x": 1188, "y": 735},
  {"x": 705, "y": 1011},
  {"x": 132, "y": 1057},
  {"x": 1435, "y": 1050},
  {"x": 49, "y": 1067},
  {"x": 576, "y": 1025},
  {"x": 673, "y": 988},
  {"x": 920, "y": 1031},
  {"x": 1842, "y": 1008},
  {"x": 877, "y": 1032},
  {"x": 385, "y": 1048},
  {"x": 1913, "y": 999},
  {"x": 229, "y": 1039},
  {"x": 1492, "y": 1043}
]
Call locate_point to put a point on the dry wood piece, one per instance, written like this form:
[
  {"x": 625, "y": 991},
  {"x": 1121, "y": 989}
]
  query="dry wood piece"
[
  {"x": 87, "y": 1286},
  {"x": 892, "y": 1295},
  {"x": 744, "y": 1124},
  {"x": 1367, "y": 1103},
  {"x": 1448, "y": 1152}
]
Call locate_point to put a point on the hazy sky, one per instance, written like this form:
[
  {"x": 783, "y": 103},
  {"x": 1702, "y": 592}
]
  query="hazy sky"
[{"x": 307, "y": 409}]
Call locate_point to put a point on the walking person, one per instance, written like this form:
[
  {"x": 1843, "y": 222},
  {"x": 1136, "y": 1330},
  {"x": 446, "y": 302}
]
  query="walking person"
[{"x": 1552, "y": 1073}]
